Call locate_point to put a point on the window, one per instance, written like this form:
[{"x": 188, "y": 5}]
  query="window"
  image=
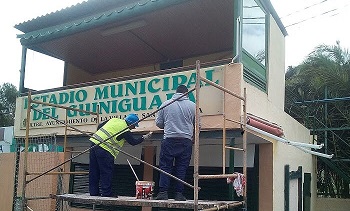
[
  {"x": 254, "y": 43},
  {"x": 254, "y": 20}
]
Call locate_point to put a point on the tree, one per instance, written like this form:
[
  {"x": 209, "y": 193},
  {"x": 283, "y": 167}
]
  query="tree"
[
  {"x": 8, "y": 95},
  {"x": 320, "y": 88},
  {"x": 325, "y": 73}
]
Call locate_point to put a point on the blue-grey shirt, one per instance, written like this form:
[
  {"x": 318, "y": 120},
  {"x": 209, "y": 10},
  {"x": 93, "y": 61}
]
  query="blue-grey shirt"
[{"x": 178, "y": 118}]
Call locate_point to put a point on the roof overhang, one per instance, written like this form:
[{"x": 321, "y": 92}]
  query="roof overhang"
[
  {"x": 102, "y": 36},
  {"x": 135, "y": 34}
]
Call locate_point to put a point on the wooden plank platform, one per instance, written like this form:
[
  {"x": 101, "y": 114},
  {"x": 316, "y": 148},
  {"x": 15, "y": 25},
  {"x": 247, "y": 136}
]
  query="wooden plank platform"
[{"x": 132, "y": 201}]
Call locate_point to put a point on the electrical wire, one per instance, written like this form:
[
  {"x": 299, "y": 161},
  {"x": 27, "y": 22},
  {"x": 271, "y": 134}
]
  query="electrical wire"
[
  {"x": 307, "y": 19},
  {"x": 305, "y": 8},
  {"x": 335, "y": 11}
]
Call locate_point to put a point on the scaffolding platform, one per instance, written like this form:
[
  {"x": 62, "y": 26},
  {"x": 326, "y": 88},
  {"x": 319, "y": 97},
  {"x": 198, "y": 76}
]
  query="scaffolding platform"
[
  {"x": 195, "y": 204},
  {"x": 132, "y": 201}
]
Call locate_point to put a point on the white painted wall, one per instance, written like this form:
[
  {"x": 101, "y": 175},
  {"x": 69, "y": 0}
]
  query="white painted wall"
[
  {"x": 270, "y": 106},
  {"x": 276, "y": 65},
  {"x": 7, "y": 140}
]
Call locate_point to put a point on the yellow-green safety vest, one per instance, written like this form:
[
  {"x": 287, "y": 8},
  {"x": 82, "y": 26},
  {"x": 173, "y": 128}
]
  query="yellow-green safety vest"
[{"x": 113, "y": 126}]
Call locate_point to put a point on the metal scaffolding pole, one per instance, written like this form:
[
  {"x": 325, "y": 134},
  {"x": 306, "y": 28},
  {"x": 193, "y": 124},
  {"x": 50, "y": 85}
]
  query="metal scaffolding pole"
[
  {"x": 196, "y": 175},
  {"x": 196, "y": 138},
  {"x": 26, "y": 146}
]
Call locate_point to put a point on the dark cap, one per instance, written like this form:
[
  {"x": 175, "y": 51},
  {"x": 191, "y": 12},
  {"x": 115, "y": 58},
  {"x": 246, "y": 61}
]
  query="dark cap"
[{"x": 181, "y": 89}]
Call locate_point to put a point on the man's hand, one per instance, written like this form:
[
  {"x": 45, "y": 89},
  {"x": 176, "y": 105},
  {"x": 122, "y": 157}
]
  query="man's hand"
[{"x": 147, "y": 136}]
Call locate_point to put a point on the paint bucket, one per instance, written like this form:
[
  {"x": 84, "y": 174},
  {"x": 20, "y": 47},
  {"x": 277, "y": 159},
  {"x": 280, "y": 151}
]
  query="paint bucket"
[{"x": 144, "y": 189}]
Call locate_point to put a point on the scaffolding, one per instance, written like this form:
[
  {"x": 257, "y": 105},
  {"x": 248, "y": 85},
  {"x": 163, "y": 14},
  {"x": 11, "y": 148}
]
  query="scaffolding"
[
  {"x": 195, "y": 204},
  {"x": 197, "y": 176},
  {"x": 27, "y": 176}
]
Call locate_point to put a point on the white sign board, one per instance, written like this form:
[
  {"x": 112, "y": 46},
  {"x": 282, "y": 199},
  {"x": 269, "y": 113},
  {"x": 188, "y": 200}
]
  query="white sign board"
[{"x": 118, "y": 99}]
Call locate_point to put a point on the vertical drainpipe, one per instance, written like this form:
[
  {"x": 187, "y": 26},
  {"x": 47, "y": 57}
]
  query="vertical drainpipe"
[
  {"x": 23, "y": 69},
  {"x": 237, "y": 30}
]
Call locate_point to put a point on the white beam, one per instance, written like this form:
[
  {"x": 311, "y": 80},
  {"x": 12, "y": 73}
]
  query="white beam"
[{"x": 299, "y": 145}]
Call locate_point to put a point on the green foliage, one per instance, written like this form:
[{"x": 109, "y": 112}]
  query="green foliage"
[
  {"x": 325, "y": 73},
  {"x": 317, "y": 95},
  {"x": 260, "y": 56},
  {"x": 8, "y": 95}
]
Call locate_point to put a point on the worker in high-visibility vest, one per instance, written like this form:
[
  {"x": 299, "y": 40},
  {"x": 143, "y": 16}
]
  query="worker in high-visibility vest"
[{"x": 102, "y": 156}]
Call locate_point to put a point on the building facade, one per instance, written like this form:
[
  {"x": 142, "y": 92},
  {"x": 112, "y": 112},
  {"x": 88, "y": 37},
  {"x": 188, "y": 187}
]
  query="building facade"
[{"x": 126, "y": 57}]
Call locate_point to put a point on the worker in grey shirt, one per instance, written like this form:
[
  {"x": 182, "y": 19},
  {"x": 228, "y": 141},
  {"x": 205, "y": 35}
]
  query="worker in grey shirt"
[{"x": 177, "y": 119}]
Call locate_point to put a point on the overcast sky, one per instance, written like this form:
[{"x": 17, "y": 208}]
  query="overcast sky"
[
  {"x": 313, "y": 22},
  {"x": 308, "y": 22}
]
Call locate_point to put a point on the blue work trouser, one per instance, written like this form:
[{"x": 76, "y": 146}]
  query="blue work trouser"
[
  {"x": 100, "y": 171},
  {"x": 178, "y": 152}
]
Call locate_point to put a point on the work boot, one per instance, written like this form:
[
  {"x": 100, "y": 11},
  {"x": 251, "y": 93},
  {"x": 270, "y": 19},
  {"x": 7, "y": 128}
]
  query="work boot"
[
  {"x": 179, "y": 197},
  {"x": 163, "y": 195}
]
